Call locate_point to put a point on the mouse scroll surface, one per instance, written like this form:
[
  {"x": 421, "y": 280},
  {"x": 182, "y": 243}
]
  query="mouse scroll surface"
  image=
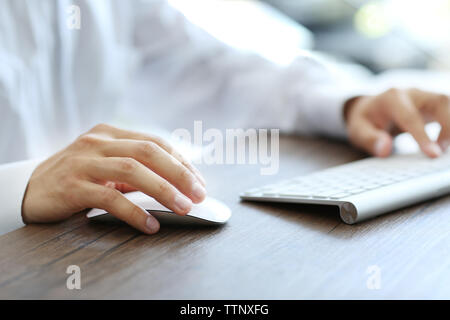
[{"x": 209, "y": 212}]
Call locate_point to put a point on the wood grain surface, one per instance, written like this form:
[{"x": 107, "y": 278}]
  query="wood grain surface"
[{"x": 266, "y": 251}]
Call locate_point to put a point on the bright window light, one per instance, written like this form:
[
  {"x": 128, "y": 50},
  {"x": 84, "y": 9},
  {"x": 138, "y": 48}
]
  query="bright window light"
[
  {"x": 372, "y": 20},
  {"x": 250, "y": 26}
]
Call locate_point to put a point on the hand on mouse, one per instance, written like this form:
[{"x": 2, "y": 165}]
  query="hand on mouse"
[
  {"x": 373, "y": 121},
  {"x": 93, "y": 172}
]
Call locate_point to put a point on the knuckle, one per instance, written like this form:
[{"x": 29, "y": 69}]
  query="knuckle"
[
  {"x": 147, "y": 149},
  {"x": 170, "y": 149},
  {"x": 164, "y": 144},
  {"x": 187, "y": 164},
  {"x": 164, "y": 188},
  {"x": 182, "y": 159},
  {"x": 127, "y": 165},
  {"x": 393, "y": 92},
  {"x": 185, "y": 175},
  {"x": 108, "y": 196},
  {"x": 414, "y": 92},
  {"x": 100, "y": 127},
  {"x": 87, "y": 141},
  {"x": 158, "y": 140}
]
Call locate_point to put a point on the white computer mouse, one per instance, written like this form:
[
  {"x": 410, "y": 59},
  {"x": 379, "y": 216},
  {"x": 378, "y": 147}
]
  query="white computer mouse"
[{"x": 209, "y": 212}]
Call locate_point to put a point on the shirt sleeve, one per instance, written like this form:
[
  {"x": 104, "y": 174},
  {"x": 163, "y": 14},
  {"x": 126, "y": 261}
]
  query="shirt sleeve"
[
  {"x": 184, "y": 67},
  {"x": 14, "y": 179}
]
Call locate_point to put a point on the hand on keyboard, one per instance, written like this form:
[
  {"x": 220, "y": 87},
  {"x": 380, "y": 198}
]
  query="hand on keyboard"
[{"x": 372, "y": 121}]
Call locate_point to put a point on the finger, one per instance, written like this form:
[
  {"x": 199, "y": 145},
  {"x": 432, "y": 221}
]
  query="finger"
[
  {"x": 368, "y": 137},
  {"x": 122, "y": 187},
  {"x": 444, "y": 139},
  {"x": 126, "y": 134},
  {"x": 135, "y": 174},
  {"x": 437, "y": 107},
  {"x": 159, "y": 161},
  {"x": 406, "y": 116},
  {"x": 442, "y": 115},
  {"x": 114, "y": 202}
]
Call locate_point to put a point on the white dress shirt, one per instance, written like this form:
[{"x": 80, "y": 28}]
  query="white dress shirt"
[{"x": 57, "y": 82}]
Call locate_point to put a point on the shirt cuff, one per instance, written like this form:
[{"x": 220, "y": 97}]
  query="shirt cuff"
[
  {"x": 14, "y": 178},
  {"x": 327, "y": 115}
]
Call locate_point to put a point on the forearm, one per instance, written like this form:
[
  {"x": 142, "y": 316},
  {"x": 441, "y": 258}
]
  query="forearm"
[{"x": 205, "y": 79}]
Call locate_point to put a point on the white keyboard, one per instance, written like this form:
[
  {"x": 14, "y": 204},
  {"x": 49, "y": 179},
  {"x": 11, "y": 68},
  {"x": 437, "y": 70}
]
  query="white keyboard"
[{"x": 365, "y": 188}]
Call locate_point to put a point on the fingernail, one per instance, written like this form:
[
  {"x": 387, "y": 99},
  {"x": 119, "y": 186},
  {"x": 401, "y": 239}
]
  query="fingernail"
[
  {"x": 433, "y": 149},
  {"x": 182, "y": 203},
  {"x": 198, "y": 191},
  {"x": 380, "y": 146},
  {"x": 152, "y": 225}
]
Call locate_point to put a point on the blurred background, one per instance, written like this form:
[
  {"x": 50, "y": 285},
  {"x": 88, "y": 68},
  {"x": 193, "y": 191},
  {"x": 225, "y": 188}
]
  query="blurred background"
[
  {"x": 377, "y": 34},
  {"x": 371, "y": 45}
]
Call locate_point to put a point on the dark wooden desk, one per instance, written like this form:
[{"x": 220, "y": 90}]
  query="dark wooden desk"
[{"x": 264, "y": 252}]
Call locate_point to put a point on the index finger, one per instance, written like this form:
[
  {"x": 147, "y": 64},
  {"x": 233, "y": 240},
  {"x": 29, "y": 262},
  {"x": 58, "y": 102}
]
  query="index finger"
[
  {"x": 436, "y": 106},
  {"x": 132, "y": 135},
  {"x": 408, "y": 118}
]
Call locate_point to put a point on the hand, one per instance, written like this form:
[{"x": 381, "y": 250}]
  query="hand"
[
  {"x": 373, "y": 121},
  {"x": 93, "y": 172}
]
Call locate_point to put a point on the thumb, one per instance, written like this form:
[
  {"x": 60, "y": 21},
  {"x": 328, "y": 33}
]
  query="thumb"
[{"x": 371, "y": 139}]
